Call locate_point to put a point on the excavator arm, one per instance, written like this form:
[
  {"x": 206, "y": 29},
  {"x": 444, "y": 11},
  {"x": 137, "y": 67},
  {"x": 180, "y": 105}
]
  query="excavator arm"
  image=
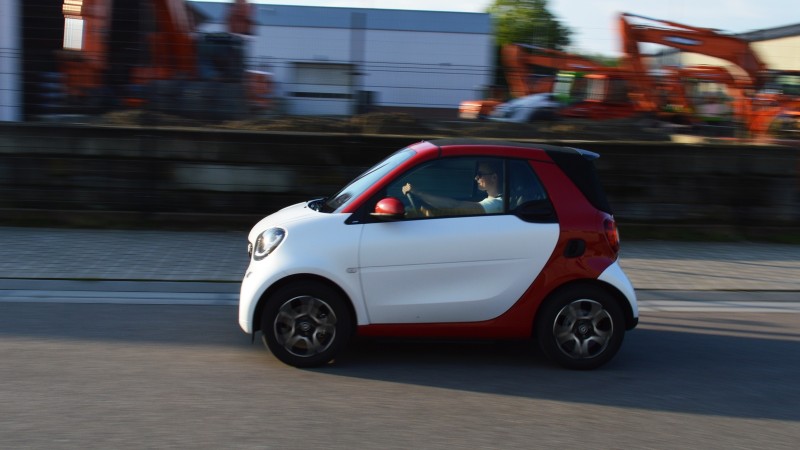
[{"x": 705, "y": 41}]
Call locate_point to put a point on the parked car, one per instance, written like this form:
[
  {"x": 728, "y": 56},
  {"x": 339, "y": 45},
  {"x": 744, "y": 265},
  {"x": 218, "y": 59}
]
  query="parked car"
[
  {"x": 526, "y": 109},
  {"x": 406, "y": 250}
]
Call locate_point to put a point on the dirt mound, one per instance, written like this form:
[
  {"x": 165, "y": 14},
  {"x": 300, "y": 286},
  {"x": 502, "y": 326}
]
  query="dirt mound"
[
  {"x": 407, "y": 124},
  {"x": 141, "y": 118},
  {"x": 561, "y": 130},
  {"x": 296, "y": 124},
  {"x": 373, "y": 123},
  {"x": 388, "y": 123}
]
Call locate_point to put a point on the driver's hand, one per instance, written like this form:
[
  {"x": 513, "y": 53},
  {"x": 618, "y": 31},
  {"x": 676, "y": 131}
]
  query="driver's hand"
[
  {"x": 426, "y": 211},
  {"x": 407, "y": 188}
]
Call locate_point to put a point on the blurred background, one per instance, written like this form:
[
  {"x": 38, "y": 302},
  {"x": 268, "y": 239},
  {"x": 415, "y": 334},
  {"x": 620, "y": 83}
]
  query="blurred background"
[{"x": 213, "y": 114}]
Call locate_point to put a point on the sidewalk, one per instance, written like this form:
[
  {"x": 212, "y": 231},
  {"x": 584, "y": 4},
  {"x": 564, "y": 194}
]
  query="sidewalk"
[{"x": 221, "y": 257}]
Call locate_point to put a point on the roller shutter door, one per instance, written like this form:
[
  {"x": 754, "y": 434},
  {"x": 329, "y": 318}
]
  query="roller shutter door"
[{"x": 321, "y": 89}]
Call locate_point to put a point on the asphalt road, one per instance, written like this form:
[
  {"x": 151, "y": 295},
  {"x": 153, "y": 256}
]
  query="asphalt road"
[{"x": 99, "y": 375}]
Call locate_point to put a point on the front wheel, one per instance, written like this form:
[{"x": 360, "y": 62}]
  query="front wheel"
[
  {"x": 580, "y": 328},
  {"x": 306, "y": 324}
]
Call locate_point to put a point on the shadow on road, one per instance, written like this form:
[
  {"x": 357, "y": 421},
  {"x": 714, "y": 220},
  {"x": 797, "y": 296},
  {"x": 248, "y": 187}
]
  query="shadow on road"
[
  {"x": 734, "y": 365},
  {"x": 699, "y": 369}
]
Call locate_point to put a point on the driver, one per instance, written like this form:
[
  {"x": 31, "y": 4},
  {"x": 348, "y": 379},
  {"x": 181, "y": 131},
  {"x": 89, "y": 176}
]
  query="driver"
[{"x": 488, "y": 179}]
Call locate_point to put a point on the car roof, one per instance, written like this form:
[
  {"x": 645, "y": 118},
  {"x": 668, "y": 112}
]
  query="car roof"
[{"x": 509, "y": 148}]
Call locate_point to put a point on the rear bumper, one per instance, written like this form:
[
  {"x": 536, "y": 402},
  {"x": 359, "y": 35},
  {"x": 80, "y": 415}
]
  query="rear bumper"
[{"x": 614, "y": 276}]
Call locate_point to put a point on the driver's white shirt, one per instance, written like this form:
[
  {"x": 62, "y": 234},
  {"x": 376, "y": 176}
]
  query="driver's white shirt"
[{"x": 492, "y": 205}]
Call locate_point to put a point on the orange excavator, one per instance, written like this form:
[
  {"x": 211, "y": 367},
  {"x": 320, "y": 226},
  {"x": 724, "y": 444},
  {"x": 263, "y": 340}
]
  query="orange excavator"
[
  {"x": 701, "y": 93},
  {"x": 180, "y": 71},
  {"x": 747, "y": 80},
  {"x": 604, "y": 94},
  {"x": 589, "y": 89},
  {"x": 522, "y": 65},
  {"x": 779, "y": 103},
  {"x": 521, "y": 61}
]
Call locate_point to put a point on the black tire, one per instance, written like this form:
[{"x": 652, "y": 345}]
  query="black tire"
[
  {"x": 306, "y": 324},
  {"x": 580, "y": 327}
]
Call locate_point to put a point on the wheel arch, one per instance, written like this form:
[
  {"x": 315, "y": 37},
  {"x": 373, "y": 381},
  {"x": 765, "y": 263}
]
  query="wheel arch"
[{"x": 299, "y": 278}]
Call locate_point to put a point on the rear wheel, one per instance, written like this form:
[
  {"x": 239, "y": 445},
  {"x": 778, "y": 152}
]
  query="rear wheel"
[
  {"x": 306, "y": 324},
  {"x": 580, "y": 327}
]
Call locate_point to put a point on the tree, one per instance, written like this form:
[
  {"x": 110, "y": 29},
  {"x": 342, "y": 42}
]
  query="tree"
[{"x": 528, "y": 22}]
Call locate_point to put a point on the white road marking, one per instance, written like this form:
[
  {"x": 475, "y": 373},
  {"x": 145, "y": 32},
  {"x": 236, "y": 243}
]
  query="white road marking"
[
  {"x": 120, "y": 298},
  {"x": 718, "y": 306},
  {"x": 232, "y": 299}
]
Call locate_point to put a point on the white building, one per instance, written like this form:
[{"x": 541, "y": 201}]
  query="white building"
[
  {"x": 327, "y": 61},
  {"x": 10, "y": 62}
]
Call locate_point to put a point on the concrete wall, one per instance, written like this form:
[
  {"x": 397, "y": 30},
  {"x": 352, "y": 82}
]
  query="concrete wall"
[{"x": 53, "y": 173}]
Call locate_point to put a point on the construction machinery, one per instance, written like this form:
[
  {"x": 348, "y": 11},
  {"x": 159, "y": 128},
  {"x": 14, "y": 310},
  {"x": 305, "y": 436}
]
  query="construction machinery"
[
  {"x": 522, "y": 62},
  {"x": 751, "y": 86},
  {"x": 779, "y": 111},
  {"x": 586, "y": 88},
  {"x": 127, "y": 53}
]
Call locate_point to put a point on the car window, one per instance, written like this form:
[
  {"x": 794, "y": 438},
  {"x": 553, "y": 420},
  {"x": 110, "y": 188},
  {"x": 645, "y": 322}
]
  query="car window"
[
  {"x": 527, "y": 197},
  {"x": 450, "y": 187},
  {"x": 524, "y": 186}
]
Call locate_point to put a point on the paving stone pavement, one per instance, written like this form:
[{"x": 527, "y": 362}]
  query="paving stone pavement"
[
  {"x": 149, "y": 255},
  {"x": 705, "y": 266},
  {"x": 145, "y": 255}
]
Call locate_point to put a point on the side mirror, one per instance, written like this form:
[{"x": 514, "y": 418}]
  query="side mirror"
[{"x": 389, "y": 208}]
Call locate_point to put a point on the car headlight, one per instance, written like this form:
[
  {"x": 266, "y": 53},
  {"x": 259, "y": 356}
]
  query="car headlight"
[{"x": 267, "y": 242}]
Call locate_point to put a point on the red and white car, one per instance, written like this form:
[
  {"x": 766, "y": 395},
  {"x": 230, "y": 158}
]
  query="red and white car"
[{"x": 380, "y": 259}]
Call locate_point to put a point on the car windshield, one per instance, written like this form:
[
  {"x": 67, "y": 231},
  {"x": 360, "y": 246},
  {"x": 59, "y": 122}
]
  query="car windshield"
[{"x": 361, "y": 183}]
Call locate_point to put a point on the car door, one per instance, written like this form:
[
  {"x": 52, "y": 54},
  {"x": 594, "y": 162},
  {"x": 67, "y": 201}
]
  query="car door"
[{"x": 450, "y": 268}]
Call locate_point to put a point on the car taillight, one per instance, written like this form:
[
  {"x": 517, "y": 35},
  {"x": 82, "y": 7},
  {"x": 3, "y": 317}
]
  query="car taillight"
[{"x": 612, "y": 234}]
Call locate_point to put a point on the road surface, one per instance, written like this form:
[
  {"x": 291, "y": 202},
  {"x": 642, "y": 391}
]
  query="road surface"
[{"x": 95, "y": 369}]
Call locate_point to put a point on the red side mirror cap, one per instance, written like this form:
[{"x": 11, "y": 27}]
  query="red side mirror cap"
[{"x": 389, "y": 208}]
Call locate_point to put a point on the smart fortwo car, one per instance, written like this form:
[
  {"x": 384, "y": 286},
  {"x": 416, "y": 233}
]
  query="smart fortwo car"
[{"x": 446, "y": 239}]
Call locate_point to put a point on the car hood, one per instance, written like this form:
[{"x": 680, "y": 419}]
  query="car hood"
[{"x": 283, "y": 218}]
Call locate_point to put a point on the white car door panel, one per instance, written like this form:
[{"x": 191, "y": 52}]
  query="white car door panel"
[{"x": 462, "y": 269}]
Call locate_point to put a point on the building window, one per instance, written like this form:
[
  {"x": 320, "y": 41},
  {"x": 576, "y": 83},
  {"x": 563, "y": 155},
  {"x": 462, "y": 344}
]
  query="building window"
[{"x": 73, "y": 33}]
